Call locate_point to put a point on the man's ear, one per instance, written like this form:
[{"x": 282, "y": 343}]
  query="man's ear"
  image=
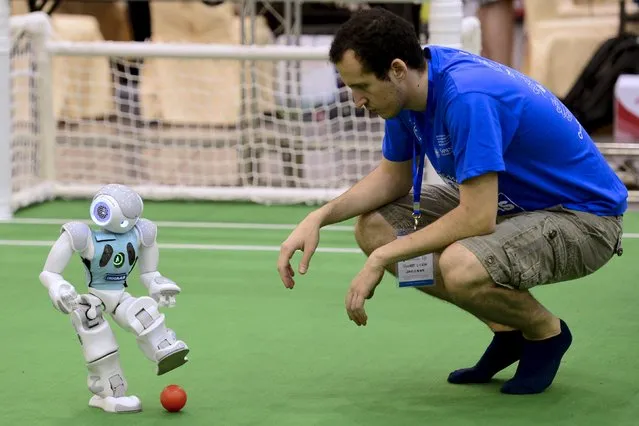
[{"x": 398, "y": 70}]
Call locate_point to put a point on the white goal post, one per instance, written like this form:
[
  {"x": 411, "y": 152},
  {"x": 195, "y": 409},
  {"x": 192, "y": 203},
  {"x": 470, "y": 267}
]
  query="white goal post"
[
  {"x": 5, "y": 115},
  {"x": 263, "y": 123}
]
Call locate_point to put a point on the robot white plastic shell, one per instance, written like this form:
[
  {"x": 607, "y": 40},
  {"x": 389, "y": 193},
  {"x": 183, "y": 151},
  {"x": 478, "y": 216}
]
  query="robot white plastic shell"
[{"x": 123, "y": 240}]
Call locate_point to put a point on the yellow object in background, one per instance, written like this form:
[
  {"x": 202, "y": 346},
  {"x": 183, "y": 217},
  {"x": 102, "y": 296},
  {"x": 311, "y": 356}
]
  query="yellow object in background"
[{"x": 424, "y": 12}]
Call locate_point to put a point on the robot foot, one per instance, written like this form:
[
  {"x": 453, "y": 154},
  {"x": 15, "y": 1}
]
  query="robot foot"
[
  {"x": 172, "y": 357},
  {"x": 111, "y": 404}
]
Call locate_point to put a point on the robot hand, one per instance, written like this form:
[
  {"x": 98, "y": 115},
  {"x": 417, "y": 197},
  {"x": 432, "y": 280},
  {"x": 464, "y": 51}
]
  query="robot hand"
[
  {"x": 64, "y": 297},
  {"x": 163, "y": 290}
]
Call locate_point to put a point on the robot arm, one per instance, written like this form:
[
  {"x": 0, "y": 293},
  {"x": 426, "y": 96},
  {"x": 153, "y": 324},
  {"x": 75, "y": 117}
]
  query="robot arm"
[
  {"x": 74, "y": 238},
  {"x": 160, "y": 288}
]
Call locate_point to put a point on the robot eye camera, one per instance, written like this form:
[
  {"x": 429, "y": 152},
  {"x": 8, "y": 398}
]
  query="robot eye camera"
[{"x": 116, "y": 208}]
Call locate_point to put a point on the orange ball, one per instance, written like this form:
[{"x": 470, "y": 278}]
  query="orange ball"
[{"x": 173, "y": 398}]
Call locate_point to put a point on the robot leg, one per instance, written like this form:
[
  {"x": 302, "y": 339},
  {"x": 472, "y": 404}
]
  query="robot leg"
[
  {"x": 158, "y": 343},
  {"x": 101, "y": 353}
]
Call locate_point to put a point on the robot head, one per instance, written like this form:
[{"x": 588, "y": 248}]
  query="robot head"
[{"x": 116, "y": 208}]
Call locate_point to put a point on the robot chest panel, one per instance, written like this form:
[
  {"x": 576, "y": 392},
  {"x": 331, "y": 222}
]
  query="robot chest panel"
[{"x": 114, "y": 255}]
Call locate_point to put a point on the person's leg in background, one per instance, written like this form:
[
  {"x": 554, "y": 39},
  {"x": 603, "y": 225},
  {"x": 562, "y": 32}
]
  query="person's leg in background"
[
  {"x": 139, "y": 19},
  {"x": 127, "y": 70},
  {"x": 497, "y": 27}
]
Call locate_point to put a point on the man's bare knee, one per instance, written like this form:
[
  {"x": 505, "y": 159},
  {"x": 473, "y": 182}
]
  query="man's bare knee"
[
  {"x": 461, "y": 271},
  {"x": 438, "y": 289},
  {"x": 372, "y": 231}
]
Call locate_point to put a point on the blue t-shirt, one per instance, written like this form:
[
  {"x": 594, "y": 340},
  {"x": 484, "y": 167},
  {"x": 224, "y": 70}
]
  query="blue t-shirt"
[{"x": 484, "y": 117}]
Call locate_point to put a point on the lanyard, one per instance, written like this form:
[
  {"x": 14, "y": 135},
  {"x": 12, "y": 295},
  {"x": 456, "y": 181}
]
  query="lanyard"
[
  {"x": 419, "y": 155},
  {"x": 418, "y": 174}
]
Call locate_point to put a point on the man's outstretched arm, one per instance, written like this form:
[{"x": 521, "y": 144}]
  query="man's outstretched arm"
[
  {"x": 389, "y": 181},
  {"x": 476, "y": 214},
  {"x": 386, "y": 183}
]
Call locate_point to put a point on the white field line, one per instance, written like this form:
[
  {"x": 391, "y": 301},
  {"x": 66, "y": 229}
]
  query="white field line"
[
  {"x": 173, "y": 246},
  {"x": 196, "y": 225},
  {"x": 217, "y": 247},
  {"x": 209, "y": 225}
]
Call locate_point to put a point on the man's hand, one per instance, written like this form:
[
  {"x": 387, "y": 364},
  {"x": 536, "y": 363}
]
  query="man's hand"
[
  {"x": 362, "y": 288},
  {"x": 305, "y": 237}
]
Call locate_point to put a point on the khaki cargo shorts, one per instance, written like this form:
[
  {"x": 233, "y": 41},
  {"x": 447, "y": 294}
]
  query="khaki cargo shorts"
[{"x": 527, "y": 249}]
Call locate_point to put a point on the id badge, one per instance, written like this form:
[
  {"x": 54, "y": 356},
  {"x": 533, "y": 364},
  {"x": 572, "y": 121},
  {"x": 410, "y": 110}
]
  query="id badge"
[{"x": 415, "y": 272}]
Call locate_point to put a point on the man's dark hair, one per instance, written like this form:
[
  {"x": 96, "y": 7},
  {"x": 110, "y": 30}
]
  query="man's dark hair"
[{"x": 377, "y": 37}]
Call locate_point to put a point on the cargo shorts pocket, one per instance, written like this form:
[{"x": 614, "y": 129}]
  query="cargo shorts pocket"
[{"x": 537, "y": 254}]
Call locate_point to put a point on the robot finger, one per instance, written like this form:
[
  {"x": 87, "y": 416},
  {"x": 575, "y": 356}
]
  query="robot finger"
[
  {"x": 70, "y": 300},
  {"x": 164, "y": 300}
]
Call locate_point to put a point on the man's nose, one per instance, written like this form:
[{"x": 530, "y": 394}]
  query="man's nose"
[{"x": 360, "y": 101}]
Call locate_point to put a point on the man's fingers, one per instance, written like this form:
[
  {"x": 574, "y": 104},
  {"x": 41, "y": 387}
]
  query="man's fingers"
[
  {"x": 355, "y": 307},
  {"x": 290, "y": 270},
  {"x": 290, "y": 282},
  {"x": 286, "y": 275},
  {"x": 285, "y": 256},
  {"x": 347, "y": 304},
  {"x": 361, "y": 314},
  {"x": 363, "y": 319},
  {"x": 348, "y": 299},
  {"x": 306, "y": 259},
  {"x": 358, "y": 316},
  {"x": 286, "y": 253},
  {"x": 284, "y": 267},
  {"x": 357, "y": 301}
]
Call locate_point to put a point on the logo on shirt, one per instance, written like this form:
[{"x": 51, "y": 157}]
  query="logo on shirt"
[
  {"x": 506, "y": 205},
  {"x": 442, "y": 146},
  {"x": 118, "y": 260},
  {"x": 115, "y": 277},
  {"x": 442, "y": 140}
]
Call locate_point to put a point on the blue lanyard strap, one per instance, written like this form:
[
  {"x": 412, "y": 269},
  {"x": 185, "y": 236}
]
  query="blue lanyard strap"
[
  {"x": 418, "y": 173},
  {"x": 419, "y": 156}
]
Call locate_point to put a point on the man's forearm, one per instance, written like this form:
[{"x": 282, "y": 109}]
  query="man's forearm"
[
  {"x": 384, "y": 184},
  {"x": 457, "y": 224}
]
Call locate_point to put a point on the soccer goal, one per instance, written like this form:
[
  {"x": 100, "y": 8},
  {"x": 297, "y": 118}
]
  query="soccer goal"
[{"x": 264, "y": 123}]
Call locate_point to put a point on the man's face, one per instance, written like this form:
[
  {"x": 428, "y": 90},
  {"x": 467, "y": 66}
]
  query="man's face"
[{"x": 382, "y": 97}]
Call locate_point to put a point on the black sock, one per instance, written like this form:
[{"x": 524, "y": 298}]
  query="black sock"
[
  {"x": 505, "y": 349},
  {"x": 539, "y": 363}
]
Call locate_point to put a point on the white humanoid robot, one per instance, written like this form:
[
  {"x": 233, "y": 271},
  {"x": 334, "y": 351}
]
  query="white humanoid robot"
[{"x": 109, "y": 254}]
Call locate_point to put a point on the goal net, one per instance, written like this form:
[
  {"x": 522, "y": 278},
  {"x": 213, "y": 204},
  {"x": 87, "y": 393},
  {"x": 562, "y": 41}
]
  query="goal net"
[
  {"x": 266, "y": 124},
  {"x": 269, "y": 123}
]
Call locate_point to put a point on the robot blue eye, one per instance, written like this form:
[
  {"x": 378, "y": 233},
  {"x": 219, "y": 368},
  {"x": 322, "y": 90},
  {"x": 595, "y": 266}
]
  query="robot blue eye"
[{"x": 102, "y": 212}]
